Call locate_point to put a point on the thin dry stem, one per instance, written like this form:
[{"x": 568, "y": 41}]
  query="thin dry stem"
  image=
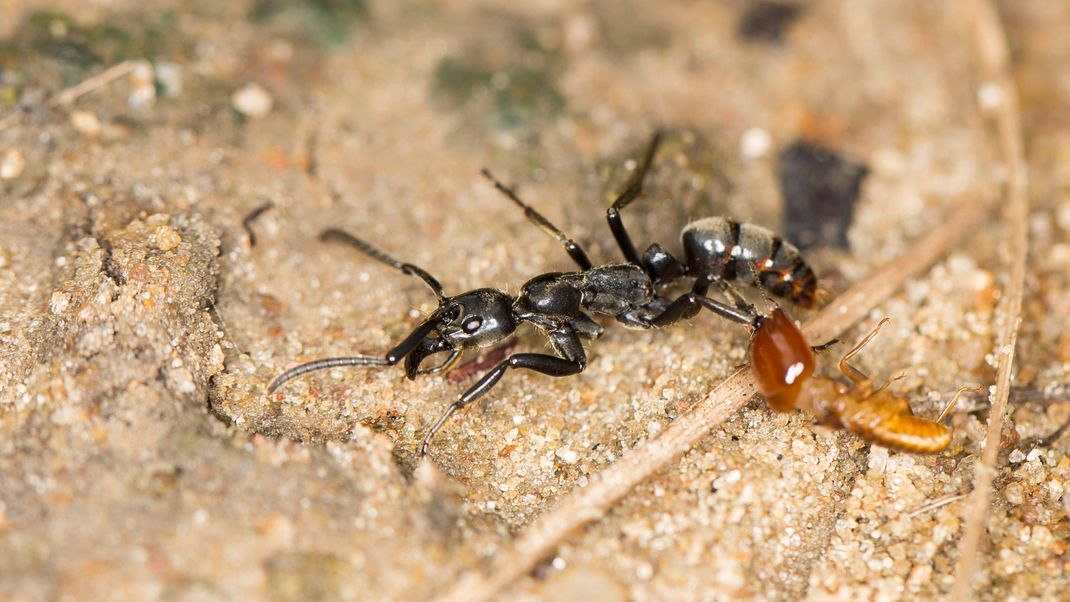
[
  {"x": 69, "y": 95},
  {"x": 610, "y": 485},
  {"x": 995, "y": 68},
  {"x": 934, "y": 505},
  {"x": 97, "y": 81}
]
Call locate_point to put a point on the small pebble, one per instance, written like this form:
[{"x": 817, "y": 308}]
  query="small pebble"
[
  {"x": 1014, "y": 493},
  {"x": 990, "y": 96},
  {"x": 1062, "y": 216},
  {"x": 59, "y": 302},
  {"x": 567, "y": 455},
  {"x": 252, "y": 100},
  {"x": 143, "y": 82},
  {"x": 166, "y": 238},
  {"x": 169, "y": 77},
  {"x": 755, "y": 143},
  {"x": 86, "y": 123},
  {"x": 12, "y": 165}
]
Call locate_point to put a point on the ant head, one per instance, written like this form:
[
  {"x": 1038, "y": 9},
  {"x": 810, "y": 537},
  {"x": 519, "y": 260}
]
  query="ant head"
[{"x": 474, "y": 319}]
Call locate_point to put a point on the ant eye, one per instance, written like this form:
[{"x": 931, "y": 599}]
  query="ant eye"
[{"x": 472, "y": 324}]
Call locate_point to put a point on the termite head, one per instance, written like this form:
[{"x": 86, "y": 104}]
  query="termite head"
[{"x": 781, "y": 360}]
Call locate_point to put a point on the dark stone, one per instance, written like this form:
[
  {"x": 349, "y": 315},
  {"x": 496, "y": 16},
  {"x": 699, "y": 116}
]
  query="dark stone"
[
  {"x": 820, "y": 189},
  {"x": 766, "y": 22}
]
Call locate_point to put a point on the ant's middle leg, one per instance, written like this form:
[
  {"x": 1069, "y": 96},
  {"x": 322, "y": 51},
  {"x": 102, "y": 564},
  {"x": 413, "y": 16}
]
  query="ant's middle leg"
[
  {"x": 564, "y": 342},
  {"x": 849, "y": 370},
  {"x": 631, "y": 192}
]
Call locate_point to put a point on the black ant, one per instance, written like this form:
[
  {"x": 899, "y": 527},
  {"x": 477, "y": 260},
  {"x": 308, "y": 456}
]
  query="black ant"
[{"x": 561, "y": 304}]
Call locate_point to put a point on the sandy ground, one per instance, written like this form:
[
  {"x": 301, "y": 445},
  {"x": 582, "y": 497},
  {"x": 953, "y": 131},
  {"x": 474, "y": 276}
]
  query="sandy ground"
[{"x": 142, "y": 458}]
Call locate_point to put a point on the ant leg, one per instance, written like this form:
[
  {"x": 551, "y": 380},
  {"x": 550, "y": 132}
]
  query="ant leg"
[
  {"x": 573, "y": 248},
  {"x": 689, "y": 304},
  {"x": 1054, "y": 436},
  {"x": 955, "y": 399},
  {"x": 850, "y": 371},
  {"x": 631, "y": 192},
  {"x": 730, "y": 291},
  {"x": 345, "y": 237},
  {"x": 564, "y": 341}
]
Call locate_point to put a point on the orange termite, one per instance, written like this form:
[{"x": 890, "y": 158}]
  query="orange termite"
[{"x": 783, "y": 365}]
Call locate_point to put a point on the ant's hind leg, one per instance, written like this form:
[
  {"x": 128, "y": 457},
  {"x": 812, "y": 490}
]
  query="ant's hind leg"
[{"x": 850, "y": 371}]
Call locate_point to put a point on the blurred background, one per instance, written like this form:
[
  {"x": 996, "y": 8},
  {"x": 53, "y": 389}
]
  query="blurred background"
[{"x": 141, "y": 319}]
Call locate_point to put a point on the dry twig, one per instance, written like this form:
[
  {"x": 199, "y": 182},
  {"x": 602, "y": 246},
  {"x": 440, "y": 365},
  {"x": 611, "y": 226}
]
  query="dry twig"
[
  {"x": 996, "y": 78},
  {"x": 69, "y": 95},
  {"x": 610, "y": 485}
]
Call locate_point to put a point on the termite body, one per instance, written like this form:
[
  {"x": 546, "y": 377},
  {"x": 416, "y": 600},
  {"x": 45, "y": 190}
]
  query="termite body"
[{"x": 783, "y": 363}]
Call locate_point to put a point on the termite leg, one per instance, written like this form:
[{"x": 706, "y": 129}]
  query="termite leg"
[
  {"x": 850, "y": 371},
  {"x": 955, "y": 399},
  {"x": 888, "y": 382}
]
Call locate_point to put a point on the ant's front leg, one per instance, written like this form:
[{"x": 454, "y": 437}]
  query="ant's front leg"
[{"x": 564, "y": 341}]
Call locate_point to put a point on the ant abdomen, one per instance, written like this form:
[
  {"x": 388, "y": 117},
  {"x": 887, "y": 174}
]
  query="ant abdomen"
[{"x": 727, "y": 249}]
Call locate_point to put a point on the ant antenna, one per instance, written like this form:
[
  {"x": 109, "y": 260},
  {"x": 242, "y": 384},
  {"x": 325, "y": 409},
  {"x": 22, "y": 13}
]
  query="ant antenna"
[
  {"x": 330, "y": 362},
  {"x": 574, "y": 250},
  {"x": 342, "y": 236}
]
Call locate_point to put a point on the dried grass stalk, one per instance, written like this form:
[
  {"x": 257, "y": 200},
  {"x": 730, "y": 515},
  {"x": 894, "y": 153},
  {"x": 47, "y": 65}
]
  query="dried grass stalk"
[{"x": 996, "y": 81}]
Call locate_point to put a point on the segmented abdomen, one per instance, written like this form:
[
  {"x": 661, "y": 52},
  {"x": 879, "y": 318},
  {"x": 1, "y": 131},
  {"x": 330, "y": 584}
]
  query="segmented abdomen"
[
  {"x": 886, "y": 425},
  {"x": 725, "y": 248}
]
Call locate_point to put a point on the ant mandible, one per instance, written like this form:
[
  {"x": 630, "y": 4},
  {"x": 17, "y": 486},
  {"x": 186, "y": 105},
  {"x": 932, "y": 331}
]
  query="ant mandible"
[{"x": 561, "y": 304}]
